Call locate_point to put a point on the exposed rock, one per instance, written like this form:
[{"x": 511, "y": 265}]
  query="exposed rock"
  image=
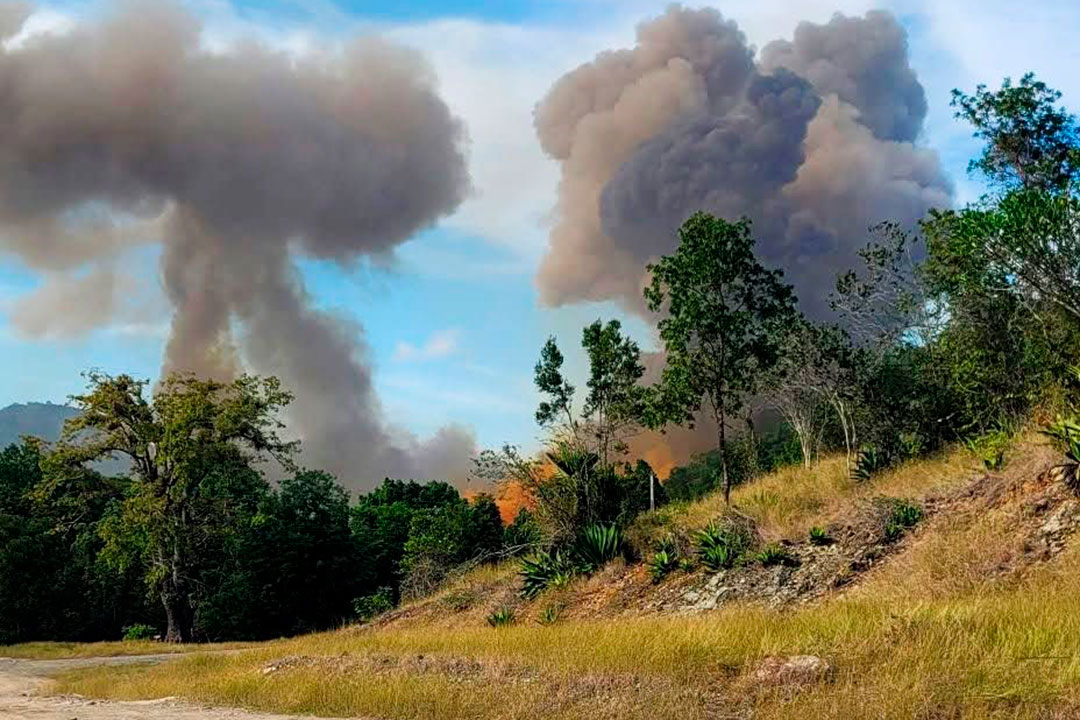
[{"x": 792, "y": 670}]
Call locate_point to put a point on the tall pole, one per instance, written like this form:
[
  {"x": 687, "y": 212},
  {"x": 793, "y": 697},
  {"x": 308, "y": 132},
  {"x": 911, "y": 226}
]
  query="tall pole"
[{"x": 652, "y": 490}]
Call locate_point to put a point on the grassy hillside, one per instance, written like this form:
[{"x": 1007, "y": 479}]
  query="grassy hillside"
[{"x": 971, "y": 614}]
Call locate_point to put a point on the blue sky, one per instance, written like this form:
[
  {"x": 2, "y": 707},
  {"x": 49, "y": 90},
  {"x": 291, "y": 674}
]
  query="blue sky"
[{"x": 453, "y": 325}]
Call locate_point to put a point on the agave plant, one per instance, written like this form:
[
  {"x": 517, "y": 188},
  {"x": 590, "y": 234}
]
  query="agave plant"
[
  {"x": 1065, "y": 433},
  {"x": 596, "y": 546},
  {"x": 721, "y": 546},
  {"x": 543, "y": 570},
  {"x": 501, "y": 618},
  {"x": 819, "y": 536},
  {"x": 867, "y": 463}
]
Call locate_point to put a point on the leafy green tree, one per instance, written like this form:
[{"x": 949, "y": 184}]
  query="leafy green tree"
[
  {"x": 177, "y": 442},
  {"x": 549, "y": 380},
  {"x": 1031, "y": 142},
  {"x": 381, "y": 522},
  {"x": 724, "y": 312},
  {"x": 615, "y": 401}
]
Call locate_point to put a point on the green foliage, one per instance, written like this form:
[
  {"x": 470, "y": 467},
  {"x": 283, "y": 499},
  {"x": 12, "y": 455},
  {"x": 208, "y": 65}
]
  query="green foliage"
[
  {"x": 664, "y": 560},
  {"x": 550, "y": 381},
  {"x": 615, "y": 402},
  {"x": 523, "y": 534},
  {"x": 1065, "y": 434},
  {"x": 445, "y": 537},
  {"x": 774, "y": 554},
  {"x": 502, "y": 617},
  {"x": 903, "y": 515},
  {"x": 819, "y": 536},
  {"x": 369, "y": 607},
  {"x": 597, "y": 546},
  {"x": 745, "y": 457},
  {"x": 990, "y": 448},
  {"x": 192, "y": 434},
  {"x": 722, "y": 544},
  {"x": 721, "y": 330},
  {"x": 543, "y": 569},
  {"x": 867, "y": 462},
  {"x": 1030, "y": 141},
  {"x": 139, "y": 631}
]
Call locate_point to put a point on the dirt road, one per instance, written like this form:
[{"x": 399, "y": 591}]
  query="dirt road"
[{"x": 23, "y": 684}]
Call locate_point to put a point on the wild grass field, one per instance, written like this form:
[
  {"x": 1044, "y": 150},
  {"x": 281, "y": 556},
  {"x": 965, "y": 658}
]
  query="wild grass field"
[{"x": 962, "y": 622}]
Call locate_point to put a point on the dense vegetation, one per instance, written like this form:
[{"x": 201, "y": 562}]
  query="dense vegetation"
[{"x": 951, "y": 332}]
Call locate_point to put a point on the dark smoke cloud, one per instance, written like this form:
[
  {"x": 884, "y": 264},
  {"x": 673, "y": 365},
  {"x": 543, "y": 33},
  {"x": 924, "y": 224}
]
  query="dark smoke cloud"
[
  {"x": 129, "y": 131},
  {"x": 814, "y": 142}
]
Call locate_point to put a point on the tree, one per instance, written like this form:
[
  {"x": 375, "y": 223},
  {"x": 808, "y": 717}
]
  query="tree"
[
  {"x": 721, "y": 330},
  {"x": 177, "y": 442},
  {"x": 1030, "y": 141},
  {"x": 794, "y": 386},
  {"x": 614, "y": 402},
  {"x": 560, "y": 393}
]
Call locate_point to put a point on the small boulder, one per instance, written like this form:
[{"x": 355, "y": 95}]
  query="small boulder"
[{"x": 791, "y": 670}]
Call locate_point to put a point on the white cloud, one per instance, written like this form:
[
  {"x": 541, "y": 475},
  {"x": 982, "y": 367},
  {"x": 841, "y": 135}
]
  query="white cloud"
[{"x": 441, "y": 344}]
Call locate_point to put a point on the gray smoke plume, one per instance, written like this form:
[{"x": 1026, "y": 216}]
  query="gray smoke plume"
[
  {"x": 814, "y": 141},
  {"x": 129, "y": 131}
]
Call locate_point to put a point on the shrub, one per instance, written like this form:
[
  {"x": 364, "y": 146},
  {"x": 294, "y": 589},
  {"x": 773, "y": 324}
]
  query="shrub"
[
  {"x": 904, "y": 515},
  {"x": 542, "y": 570},
  {"x": 819, "y": 536},
  {"x": 721, "y": 545},
  {"x": 502, "y": 617},
  {"x": 774, "y": 554},
  {"x": 596, "y": 546},
  {"x": 990, "y": 448},
  {"x": 371, "y": 606},
  {"x": 140, "y": 631}
]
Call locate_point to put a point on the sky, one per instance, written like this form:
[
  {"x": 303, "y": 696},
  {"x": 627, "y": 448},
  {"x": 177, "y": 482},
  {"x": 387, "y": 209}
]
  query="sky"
[{"x": 452, "y": 323}]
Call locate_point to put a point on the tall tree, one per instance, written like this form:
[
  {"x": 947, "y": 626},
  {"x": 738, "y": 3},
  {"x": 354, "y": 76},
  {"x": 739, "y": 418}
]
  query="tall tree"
[
  {"x": 1031, "y": 142},
  {"x": 178, "y": 442},
  {"x": 724, "y": 312},
  {"x": 614, "y": 401}
]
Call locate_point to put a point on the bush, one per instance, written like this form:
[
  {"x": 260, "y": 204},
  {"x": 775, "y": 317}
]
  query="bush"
[
  {"x": 774, "y": 554},
  {"x": 819, "y": 536},
  {"x": 139, "y": 631},
  {"x": 721, "y": 545},
  {"x": 596, "y": 546},
  {"x": 990, "y": 448},
  {"x": 371, "y": 606},
  {"x": 542, "y": 570},
  {"x": 502, "y": 617},
  {"x": 522, "y": 534}
]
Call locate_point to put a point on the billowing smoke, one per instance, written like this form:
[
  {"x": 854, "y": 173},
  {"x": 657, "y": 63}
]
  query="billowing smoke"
[
  {"x": 813, "y": 139},
  {"x": 129, "y": 131}
]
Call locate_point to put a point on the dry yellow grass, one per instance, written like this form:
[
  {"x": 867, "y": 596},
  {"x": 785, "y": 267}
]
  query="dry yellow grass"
[
  {"x": 61, "y": 650},
  {"x": 924, "y": 637}
]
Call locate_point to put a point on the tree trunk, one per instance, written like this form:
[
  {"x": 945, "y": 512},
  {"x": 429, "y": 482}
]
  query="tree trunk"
[
  {"x": 174, "y": 598},
  {"x": 723, "y": 456}
]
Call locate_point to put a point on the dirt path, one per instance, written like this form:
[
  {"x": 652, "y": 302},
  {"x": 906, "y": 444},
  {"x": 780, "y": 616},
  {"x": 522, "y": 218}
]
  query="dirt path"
[{"x": 23, "y": 682}]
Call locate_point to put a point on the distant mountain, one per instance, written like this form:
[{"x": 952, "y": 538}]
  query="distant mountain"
[{"x": 45, "y": 420}]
